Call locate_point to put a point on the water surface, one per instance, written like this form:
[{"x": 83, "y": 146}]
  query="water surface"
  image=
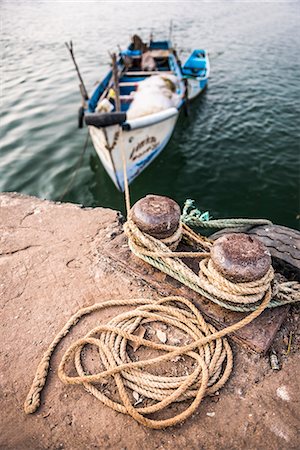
[{"x": 237, "y": 154}]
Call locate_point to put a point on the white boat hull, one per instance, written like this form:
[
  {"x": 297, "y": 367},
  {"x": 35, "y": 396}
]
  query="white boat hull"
[
  {"x": 141, "y": 146},
  {"x": 195, "y": 87}
]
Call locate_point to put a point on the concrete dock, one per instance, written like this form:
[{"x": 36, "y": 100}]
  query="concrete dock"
[{"x": 56, "y": 258}]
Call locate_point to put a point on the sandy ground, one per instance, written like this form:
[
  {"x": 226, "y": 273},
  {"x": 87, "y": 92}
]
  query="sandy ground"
[{"x": 51, "y": 264}]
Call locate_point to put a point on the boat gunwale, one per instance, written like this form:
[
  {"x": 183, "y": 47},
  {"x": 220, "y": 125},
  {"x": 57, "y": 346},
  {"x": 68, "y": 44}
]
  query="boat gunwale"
[{"x": 161, "y": 117}]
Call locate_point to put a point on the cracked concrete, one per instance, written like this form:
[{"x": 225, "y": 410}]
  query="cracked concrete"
[{"x": 52, "y": 263}]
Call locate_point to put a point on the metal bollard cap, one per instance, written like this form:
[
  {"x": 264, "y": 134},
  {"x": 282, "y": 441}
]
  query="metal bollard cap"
[
  {"x": 156, "y": 215},
  {"x": 240, "y": 258}
]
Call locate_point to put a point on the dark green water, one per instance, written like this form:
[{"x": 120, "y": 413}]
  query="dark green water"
[{"x": 236, "y": 155}]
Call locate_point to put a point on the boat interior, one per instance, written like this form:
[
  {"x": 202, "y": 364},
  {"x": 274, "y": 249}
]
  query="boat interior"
[
  {"x": 132, "y": 75},
  {"x": 133, "y": 72}
]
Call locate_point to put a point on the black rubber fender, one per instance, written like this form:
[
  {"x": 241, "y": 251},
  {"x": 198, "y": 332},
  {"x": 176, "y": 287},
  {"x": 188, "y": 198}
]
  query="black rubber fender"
[
  {"x": 101, "y": 120},
  {"x": 80, "y": 116}
]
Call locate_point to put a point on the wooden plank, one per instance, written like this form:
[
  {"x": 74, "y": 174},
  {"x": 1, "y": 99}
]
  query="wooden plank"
[
  {"x": 128, "y": 83},
  {"x": 160, "y": 53},
  {"x": 257, "y": 336},
  {"x": 126, "y": 98},
  {"x": 145, "y": 73}
]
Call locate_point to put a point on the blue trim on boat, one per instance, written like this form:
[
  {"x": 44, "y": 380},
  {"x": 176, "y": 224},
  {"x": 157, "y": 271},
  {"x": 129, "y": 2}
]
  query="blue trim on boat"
[
  {"x": 132, "y": 79},
  {"x": 196, "y": 64},
  {"x": 131, "y": 53}
]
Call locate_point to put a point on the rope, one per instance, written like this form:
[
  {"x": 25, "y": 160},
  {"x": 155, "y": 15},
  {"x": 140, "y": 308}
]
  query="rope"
[
  {"x": 76, "y": 168},
  {"x": 126, "y": 185},
  {"x": 194, "y": 217},
  {"x": 241, "y": 297},
  {"x": 212, "y": 355}
]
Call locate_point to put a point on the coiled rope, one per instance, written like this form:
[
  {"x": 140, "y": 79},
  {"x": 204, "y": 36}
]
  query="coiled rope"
[{"x": 209, "y": 349}]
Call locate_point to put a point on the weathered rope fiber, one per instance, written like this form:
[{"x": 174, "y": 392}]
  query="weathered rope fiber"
[
  {"x": 209, "y": 349},
  {"x": 242, "y": 297}
]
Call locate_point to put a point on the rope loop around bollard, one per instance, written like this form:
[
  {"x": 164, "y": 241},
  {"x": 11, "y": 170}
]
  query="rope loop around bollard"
[{"x": 240, "y": 297}]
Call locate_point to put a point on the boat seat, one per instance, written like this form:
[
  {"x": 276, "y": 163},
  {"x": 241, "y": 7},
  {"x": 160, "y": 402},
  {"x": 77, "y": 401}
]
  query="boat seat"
[{"x": 159, "y": 53}]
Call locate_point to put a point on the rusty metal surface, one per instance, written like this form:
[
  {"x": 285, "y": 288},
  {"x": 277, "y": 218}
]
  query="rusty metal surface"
[
  {"x": 240, "y": 257},
  {"x": 282, "y": 242},
  {"x": 256, "y": 336},
  {"x": 156, "y": 215}
]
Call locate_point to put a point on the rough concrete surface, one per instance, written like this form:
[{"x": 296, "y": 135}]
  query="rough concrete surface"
[{"x": 51, "y": 264}]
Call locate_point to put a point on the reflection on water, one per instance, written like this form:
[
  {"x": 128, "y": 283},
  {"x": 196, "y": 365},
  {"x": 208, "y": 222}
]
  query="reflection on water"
[{"x": 237, "y": 154}]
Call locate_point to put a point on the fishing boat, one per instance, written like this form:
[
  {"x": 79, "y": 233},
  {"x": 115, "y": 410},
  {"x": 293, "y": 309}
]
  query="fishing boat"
[
  {"x": 128, "y": 122},
  {"x": 196, "y": 71}
]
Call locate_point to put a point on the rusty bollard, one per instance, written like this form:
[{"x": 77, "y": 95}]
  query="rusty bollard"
[
  {"x": 156, "y": 215},
  {"x": 240, "y": 258}
]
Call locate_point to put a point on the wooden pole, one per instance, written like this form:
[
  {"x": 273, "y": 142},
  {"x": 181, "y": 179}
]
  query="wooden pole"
[
  {"x": 83, "y": 90},
  {"x": 116, "y": 82}
]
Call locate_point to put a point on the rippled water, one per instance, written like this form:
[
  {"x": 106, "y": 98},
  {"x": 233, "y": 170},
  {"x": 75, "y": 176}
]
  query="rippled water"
[{"x": 236, "y": 155}]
